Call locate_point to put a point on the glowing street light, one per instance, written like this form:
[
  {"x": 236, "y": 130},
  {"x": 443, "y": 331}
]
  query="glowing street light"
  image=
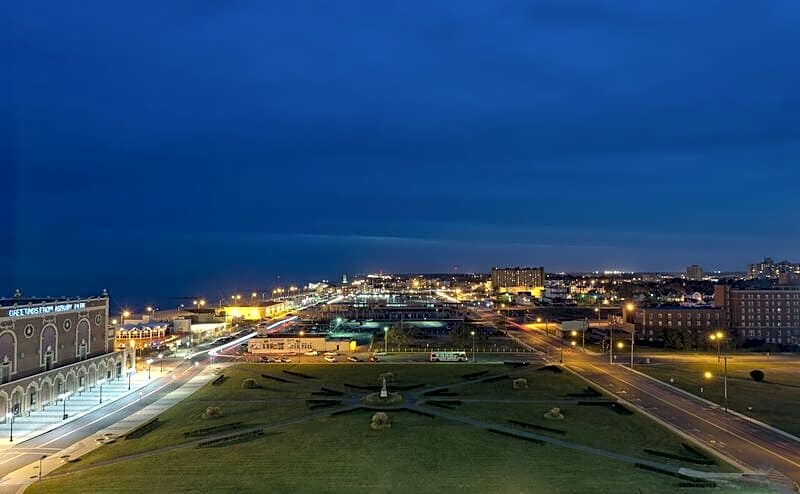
[
  {"x": 161, "y": 361},
  {"x": 628, "y": 308},
  {"x": 708, "y": 375},
  {"x": 717, "y": 337},
  {"x": 149, "y": 363},
  {"x": 386, "y": 339},
  {"x": 125, "y": 314},
  {"x": 130, "y": 373},
  {"x": 474, "y": 356}
]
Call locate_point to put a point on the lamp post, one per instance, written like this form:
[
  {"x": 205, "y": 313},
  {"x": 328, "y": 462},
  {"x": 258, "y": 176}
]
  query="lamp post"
[
  {"x": 610, "y": 344},
  {"x": 125, "y": 314},
  {"x": 149, "y": 363},
  {"x": 717, "y": 337},
  {"x": 40, "y": 466},
  {"x": 386, "y": 339},
  {"x": 100, "y": 383},
  {"x": 161, "y": 361},
  {"x": 10, "y": 417},
  {"x": 64, "y": 397},
  {"x": 474, "y": 357},
  {"x": 130, "y": 373},
  {"x": 725, "y": 382},
  {"x": 620, "y": 346},
  {"x": 630, "y": 308}
]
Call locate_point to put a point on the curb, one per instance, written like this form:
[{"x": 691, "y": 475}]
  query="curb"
[
  {"x": 719, "y": 455},
  {"x": 689, "y": 394}
]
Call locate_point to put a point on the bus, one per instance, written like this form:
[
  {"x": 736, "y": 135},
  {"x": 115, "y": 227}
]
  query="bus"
[{"x": 449, "y": 356}]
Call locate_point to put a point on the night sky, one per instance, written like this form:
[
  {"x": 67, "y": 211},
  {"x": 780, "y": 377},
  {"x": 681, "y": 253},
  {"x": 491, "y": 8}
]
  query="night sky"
[{"x": 161, "y": 149}]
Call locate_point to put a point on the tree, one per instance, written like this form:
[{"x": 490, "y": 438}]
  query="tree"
[
  {"x": 757, "y": 375},
  {"x": 396, "y": 336},
  {"x": 461, "y": 336}
]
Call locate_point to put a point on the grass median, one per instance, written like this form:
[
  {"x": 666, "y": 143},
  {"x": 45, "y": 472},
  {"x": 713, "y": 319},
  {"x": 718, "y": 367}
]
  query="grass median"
[{"x": 773, "y": 401}]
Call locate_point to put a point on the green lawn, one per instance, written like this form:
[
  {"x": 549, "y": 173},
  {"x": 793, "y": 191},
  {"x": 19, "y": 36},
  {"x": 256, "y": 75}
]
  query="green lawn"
[
  {"x": 341, "y": 453},
  {"x": 773, "y": 401}
]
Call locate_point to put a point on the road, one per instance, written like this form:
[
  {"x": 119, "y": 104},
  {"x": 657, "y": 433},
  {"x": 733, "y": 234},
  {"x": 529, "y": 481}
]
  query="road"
[{"x": 751, "y": 445}]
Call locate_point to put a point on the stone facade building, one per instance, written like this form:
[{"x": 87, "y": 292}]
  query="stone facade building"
[{"x": 53, "y": 346}]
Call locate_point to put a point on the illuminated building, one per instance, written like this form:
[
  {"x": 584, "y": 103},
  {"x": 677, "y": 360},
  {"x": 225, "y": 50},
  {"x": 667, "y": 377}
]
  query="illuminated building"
[{"x": 50, "y": 346}]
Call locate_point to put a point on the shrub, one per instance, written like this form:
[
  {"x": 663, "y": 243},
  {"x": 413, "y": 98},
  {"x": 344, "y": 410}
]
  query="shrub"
[
  {"x": 380, "y": 421},
  {"x": 757, "y": 375},
  {"x": 554, "y": 414},
  {"x": 249, "y": 383},
  {"x": 212, "y": 413}
]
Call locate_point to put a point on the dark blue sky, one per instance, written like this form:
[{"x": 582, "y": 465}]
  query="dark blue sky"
[{"x": 162, "y": 148}]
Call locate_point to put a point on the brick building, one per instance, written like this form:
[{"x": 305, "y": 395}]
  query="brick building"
[{"x": 51, "y": 346}]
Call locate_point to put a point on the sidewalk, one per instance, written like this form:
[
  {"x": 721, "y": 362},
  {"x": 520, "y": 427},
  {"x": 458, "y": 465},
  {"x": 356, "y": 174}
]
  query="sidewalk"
[
  {"x": 20, "y": 479},
  {"x": 76, "y": 406}
]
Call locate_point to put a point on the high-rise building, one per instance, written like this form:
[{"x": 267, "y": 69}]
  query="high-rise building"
[
  {"x": 694, "y": 273},
  {"x": 771, "y": 269},
  {"x": 517, "y": 279}
]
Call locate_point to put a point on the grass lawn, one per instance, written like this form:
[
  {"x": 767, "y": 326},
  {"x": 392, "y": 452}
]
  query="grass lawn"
[
  {"x": 598, "y": 427},
  {"x": 774, "y": 401},
  {"x": 341, "y": 453}
]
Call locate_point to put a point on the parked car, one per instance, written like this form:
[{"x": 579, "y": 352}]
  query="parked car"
[
  {"x": 373, "y": 358},
  {"x": 286, "y": 360},
  {"x": 353, "y": 359},
  {"x": 330, "y": 358},
  {"x": 380, "y": 354},
  {"x": 331, "y": 354},
  {"x": 312, "y": 353}
]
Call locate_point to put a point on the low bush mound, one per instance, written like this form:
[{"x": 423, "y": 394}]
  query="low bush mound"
[
  {"x": 380, "y": 421},
  {"x": 212, "y": 412},
  {"x": 757, "y": 375},
  {"x": 520, "y": 383}
]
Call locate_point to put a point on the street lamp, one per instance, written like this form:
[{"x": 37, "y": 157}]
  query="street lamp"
[
  {"x": 149, "y": 362},
  {"x": 40, "y": 466},
  {"x": 130, "y": 373},
  {"x": 717, "y": 337},
  {"x": 100, "y": 383},
  {"x": 64, "y": 397},
  {"x": 125, "y": 314},
  {"x": 152, "y": 312},
  {"x": 474, "y": 357},
  {"x": 629, "y": 306},
  {"x": 386, "y": 339},
  {"x": 10, "y": 417},
  {"x": 161, "y": 361}
]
